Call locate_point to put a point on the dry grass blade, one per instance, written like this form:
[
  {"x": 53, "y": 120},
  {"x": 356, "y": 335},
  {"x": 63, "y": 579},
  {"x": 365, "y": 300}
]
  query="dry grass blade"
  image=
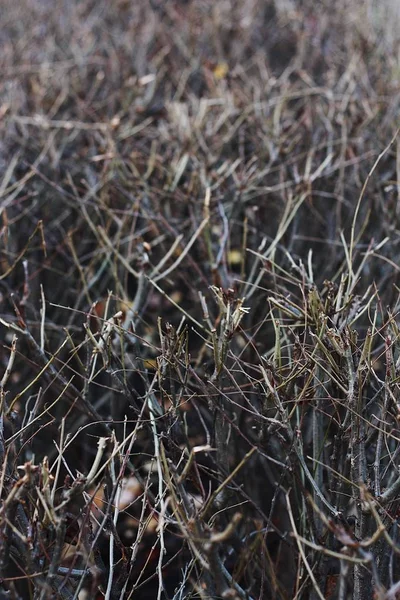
[{"x": 199, "y": 300}]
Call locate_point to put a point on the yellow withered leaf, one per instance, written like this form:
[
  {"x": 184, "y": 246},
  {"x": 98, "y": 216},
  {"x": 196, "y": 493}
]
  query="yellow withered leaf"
[
  {"x": 150, "y": 363},
  {"x": 235, "y": 257},
  {"x": 221, "y": 70}
]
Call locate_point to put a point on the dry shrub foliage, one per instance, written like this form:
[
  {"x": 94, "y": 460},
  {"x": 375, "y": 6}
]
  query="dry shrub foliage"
[{"x": 199, "y": 258}]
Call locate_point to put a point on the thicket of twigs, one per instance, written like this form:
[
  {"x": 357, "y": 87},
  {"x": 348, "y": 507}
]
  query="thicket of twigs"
[{"x": 200, "y": 350}]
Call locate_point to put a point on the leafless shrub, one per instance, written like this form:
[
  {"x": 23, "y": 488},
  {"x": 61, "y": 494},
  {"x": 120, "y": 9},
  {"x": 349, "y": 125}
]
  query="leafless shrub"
[{"x": 199, "y": 394}]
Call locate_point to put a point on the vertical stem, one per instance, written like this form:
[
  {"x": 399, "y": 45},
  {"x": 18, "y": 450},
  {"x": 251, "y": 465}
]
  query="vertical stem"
[
  {"x": 318, "y": 440},
  {"x": 362, "y": 577}
]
